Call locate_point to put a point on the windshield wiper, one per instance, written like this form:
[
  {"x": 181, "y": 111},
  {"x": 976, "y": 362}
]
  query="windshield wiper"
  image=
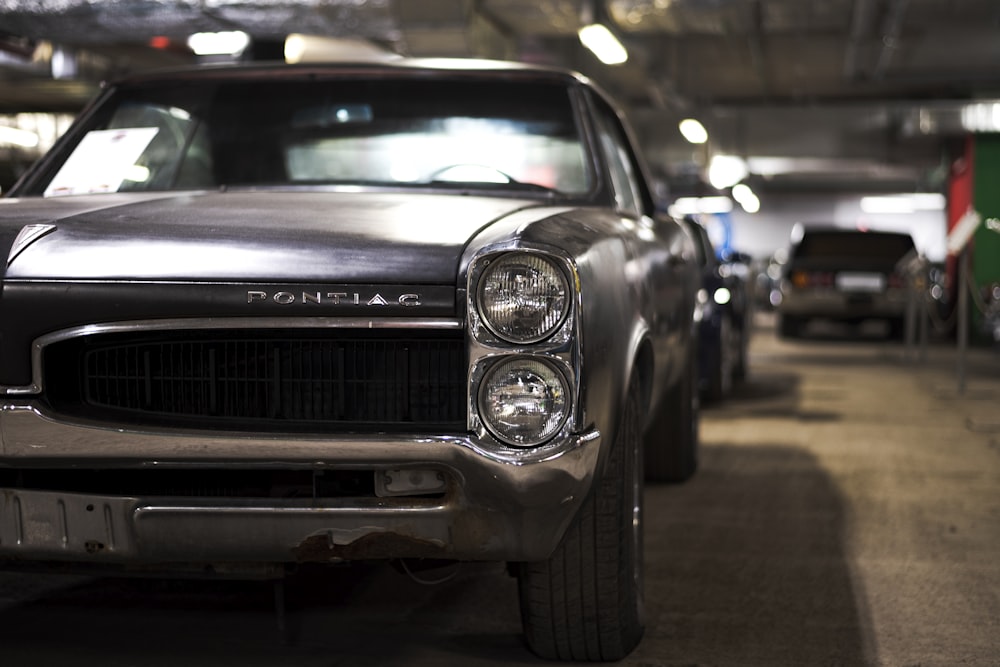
[
  {"x": 491, "y": 185},
  {"x": 471, "y": 175}
]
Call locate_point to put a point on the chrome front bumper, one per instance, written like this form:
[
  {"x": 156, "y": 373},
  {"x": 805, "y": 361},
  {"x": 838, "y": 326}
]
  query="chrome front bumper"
[{"x": 492, "y": 509}]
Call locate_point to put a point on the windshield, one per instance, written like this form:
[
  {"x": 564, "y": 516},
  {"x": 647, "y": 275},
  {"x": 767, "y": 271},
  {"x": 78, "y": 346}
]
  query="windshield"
[
  {"x": 415, "y": 131},
  {"x": 855, "y": 245}
]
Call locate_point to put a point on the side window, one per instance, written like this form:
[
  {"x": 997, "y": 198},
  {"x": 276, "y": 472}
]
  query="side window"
[
  {"x": 157, "y": 167},
  {"x": 621, "y": 165}
]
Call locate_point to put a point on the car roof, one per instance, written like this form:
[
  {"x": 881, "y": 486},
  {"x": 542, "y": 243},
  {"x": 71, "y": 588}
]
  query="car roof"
[
  {"x": 844, "y": 231},
  {"x": 375, "y": 66}
]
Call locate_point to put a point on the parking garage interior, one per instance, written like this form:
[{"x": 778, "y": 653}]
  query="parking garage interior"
[{"x": 846, "y": 509}]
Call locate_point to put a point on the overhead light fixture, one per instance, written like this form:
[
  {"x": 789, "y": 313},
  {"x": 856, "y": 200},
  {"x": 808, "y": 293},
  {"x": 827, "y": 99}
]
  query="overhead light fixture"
[
  {"x": 301, "y": 48},
  {"x": 746, "y": 197},
  {"x": 903, "y": 203},
  {"x": 696, "y": 205},
  {"x": 229, "y": 43},
  {"x": 603, "y": 44},
  {"x": 693, "y": 131},
  {"x": 725, "y": 171},
  {"x": 64, "y": 63},
  {"x": 981, "y": 117},
  {"x": 13, "y": 136}
]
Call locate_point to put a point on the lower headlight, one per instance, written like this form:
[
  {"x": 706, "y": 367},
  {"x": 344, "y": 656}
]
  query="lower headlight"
[{"x": 524, "y": 401}]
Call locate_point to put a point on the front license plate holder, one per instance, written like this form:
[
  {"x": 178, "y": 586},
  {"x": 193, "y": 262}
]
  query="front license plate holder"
[{"x": 44, "y": 524}]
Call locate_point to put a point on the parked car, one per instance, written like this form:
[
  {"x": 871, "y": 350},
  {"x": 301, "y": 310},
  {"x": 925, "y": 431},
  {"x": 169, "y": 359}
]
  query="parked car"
[
  {"x": 767, "y": 283},
  {"x": 989, "y": 315},
  {"x": 259, "y": 316},
  {"x": 725, "y": 322},
  {"x": 845, "y": 275}
]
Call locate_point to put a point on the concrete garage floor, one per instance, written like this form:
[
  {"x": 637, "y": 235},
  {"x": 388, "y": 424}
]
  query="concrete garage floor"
[{"x": 847, "y": 512}]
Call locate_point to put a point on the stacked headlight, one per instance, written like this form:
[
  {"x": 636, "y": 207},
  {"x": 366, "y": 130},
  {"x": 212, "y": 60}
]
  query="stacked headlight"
[
  {"x": 524, "y": 400},
  {"x": 523, "y": 297}
]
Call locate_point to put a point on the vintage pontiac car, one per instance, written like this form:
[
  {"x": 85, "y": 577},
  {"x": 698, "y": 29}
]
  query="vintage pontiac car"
[{"x": 266, "y": 315}]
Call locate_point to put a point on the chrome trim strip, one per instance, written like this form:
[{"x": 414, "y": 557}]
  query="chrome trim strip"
[
  {"x": 450, "y": 324},
  {"x": 27, "y": 433},
  {"x": 28, "y": 235}
]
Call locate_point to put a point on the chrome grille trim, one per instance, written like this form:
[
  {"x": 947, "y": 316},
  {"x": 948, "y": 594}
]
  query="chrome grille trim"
[{"x": 36, "y": 386}]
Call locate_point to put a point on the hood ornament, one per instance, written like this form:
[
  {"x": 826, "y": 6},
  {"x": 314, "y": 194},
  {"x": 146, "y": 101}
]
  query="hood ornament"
[{"x": 28, "y": 235}]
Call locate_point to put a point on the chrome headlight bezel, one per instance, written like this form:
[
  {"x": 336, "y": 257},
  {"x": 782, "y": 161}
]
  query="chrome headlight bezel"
[
  {"x": 558, "y": 393},
  {"x": 557, "y": 291}
]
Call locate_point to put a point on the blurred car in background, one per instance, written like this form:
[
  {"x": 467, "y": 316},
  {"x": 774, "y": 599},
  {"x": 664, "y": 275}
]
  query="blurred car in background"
[
  {"x": 767, "y": 280},
  {"x": 990, "y": 309},
  {"x": 724, "y": 327},
  {"x": 845, "y": 275}
]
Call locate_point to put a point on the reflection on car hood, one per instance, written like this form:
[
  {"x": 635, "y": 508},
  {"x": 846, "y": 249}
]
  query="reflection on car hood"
[{"x": 363, "y": 237}]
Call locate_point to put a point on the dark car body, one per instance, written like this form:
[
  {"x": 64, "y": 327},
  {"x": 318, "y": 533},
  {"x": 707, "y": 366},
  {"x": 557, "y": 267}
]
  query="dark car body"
[
  {"x": 724, "y": 320},
  {"x": 260, "y": 316},
  {"x": 845, "y": 275}
]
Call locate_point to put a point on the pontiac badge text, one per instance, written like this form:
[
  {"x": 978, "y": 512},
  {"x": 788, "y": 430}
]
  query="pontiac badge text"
[{"x": 332, "y": 298}]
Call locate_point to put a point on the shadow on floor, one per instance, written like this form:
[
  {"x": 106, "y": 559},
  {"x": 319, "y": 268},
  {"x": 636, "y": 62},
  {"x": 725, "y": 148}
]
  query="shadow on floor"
[{"x": 750, "y": 565}]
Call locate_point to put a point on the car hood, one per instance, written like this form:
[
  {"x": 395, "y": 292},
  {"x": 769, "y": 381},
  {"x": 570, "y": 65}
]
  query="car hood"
[{"x": 335, "y": 237}]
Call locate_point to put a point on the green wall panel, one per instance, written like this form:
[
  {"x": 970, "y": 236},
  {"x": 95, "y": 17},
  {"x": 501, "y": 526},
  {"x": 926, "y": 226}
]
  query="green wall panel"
[{"x": 986, "y": 200}]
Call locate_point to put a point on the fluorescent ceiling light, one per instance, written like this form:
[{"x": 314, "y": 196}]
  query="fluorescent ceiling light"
[
  {"x": 13, "y": 136},
  {"x": 694, "y": 205},
  {"x": 693, "y": 131},
  {"x": 903, "y": 203},
  {"x": 928, "y": 201},
  {"x": 981, "y": 117},
  {"x": 300, "y": 48},
  {"x": 746, "y": 197},
  {"x": 603, "y": 44},
  {"x": 296, "y": 46},
  {"x": 229, "y": 43},
  {"x": 725, "y": 171}
]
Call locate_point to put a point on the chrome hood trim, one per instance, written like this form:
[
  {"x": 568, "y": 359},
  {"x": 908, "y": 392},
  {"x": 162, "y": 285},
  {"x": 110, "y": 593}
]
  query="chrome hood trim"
[
  {"x": 219, "y": 323},
  {"x": 28, "y": 235}
]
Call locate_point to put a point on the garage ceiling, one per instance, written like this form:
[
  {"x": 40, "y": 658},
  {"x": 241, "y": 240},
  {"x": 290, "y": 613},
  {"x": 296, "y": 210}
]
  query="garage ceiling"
[{"x": 833, "y": 93}]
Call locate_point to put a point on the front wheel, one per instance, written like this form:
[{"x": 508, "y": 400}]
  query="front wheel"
[{"x": 586, "y": 601}]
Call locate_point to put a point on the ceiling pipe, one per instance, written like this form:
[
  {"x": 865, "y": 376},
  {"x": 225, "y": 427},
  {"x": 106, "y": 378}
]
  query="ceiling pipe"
[
  {"x": 756, "y": 44},
  {"x": 862, "y": 17},
  {"x": 890, "y": 36}
]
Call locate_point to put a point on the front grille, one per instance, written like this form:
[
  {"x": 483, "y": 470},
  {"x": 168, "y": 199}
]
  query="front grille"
[{"x": 275, "y": 381}]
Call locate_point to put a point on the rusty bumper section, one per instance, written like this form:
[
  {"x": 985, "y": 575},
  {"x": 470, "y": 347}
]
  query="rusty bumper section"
[
  {"x": 43, "y": 525},
  {"x": 492, "y": 510}
]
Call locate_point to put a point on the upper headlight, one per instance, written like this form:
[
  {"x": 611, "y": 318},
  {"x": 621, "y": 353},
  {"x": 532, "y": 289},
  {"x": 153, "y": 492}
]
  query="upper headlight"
[{"x": 523, "y": 298}]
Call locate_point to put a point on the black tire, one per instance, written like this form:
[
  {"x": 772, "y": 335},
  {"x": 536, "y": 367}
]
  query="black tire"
[
  {"x": 586, "y": 603},
  {"x": 671, "y": 443},
  {"x": 742, "y": 351},
  {"x": 721, "y": 383},
  {"x": 897, "y": 329},
  {"x": 789, "y": 326}
]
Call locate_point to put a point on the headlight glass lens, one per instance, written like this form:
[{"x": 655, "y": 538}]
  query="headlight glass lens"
[
  {"x": 523, "y": 298},
  {"x": 524, "y": 401}
]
